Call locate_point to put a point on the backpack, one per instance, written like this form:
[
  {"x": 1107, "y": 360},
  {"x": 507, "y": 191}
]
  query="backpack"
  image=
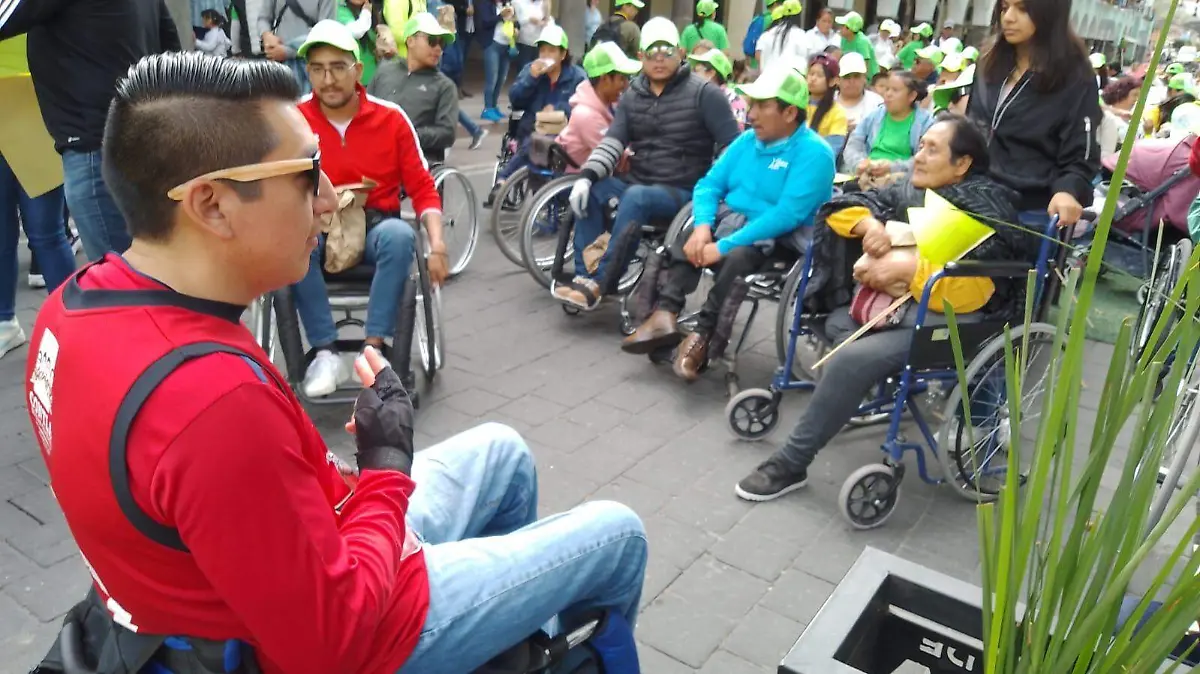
[{"x": 609, "y": 31}]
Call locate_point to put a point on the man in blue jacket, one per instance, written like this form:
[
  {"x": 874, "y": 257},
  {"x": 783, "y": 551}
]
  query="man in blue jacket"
[{"x": 756, "y": 202}]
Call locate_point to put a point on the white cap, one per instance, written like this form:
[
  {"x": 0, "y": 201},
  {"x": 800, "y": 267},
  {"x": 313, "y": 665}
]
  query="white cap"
[
  {"x": 852, "y": 63},
  {"x": 889, "y": 26},
  {"x": 949, "y": 23},
  {"x": 951, "y": 45}
]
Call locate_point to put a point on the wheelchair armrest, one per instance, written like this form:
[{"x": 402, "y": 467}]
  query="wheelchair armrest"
[
  {"x": 986, "y": 269},
  {"x": 559, "y": 154}
]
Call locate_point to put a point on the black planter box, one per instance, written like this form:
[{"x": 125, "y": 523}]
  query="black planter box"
[{"x": 887, "y": 611}]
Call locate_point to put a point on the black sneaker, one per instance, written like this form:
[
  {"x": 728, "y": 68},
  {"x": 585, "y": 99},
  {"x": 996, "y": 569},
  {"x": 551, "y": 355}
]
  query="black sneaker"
[
  {"x": 491, "y": 197},
  {"x": 772, "y": 479}
]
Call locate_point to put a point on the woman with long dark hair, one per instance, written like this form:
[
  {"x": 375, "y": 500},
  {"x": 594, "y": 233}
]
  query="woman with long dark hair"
[
  {"x": 1036, "y": 92},
  {"x": 824, "y": 116}
]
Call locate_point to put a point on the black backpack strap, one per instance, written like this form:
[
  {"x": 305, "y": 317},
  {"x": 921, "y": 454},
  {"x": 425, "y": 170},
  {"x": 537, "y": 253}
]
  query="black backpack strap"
[{"x": 137, "y": 395}]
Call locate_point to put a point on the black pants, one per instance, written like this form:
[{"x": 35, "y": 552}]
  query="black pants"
[
  {"x": 683, "y": 278},
  {"x": 242, "y": 39}
]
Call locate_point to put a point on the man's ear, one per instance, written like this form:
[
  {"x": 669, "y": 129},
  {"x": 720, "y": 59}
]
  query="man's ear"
[
  {"x": 962, "y": 166},
  {"x": 207, "y": 206}
]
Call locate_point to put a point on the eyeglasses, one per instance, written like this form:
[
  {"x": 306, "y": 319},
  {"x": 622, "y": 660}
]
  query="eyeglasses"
[
  {"x": 252, "y": 172},
  {"x": 661, "y": 50},
  {"x": 317, "y": 71},
  {"x": 436, "y": 40}
]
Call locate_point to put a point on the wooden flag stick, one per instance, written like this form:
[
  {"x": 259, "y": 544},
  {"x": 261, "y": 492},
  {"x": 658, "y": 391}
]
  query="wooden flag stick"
[{"x": 863, "y": 330}]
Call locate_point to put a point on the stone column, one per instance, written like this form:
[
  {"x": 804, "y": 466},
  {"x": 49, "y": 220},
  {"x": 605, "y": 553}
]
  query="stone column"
[
  {"x": 738, "y": 16},
  {"x": 681, "y": 12},
  {"x": 570, "y": 15},
  {"x": 181, "y": 11}
]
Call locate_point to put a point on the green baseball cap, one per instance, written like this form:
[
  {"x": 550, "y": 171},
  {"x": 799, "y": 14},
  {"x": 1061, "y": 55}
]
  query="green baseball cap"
[
  {"x": 784, "y": 83},
  {"x": 636, "y": 3},
  {"x": 606, "y": 58},
  {"x": 922, "y": 29},
  {"x": 970, "y": 54},
  {"x": 554, "y": 36},
  {"x": 332, "y": 33},
  {"x": 954, "y": 63},
  {"x": 942, "y": 94},
  {"x": 1178, "y": 82},
  {"x": 706, "y": 8},
  {"x": 1175, "y": 69},
  {"x": 659, "y": 30},
  {"x": 1098, "y": 60},
  {"x": 852, "y": 21},
  {"x": 424, "y": 22},
  {"x": 715, "y": 58},
  {"x": 931, "y": 53}
]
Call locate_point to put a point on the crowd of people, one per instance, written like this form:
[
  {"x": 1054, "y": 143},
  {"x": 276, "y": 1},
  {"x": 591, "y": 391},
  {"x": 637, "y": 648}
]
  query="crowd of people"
[{"x": 199, "y": 182}]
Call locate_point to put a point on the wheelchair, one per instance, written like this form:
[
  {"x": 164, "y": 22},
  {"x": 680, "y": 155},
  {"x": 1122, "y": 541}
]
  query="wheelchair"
[
  {"x": 419, "y": 318},
  {"x": 460, "y": 216},
  {"x": 970, "y": 450},
  {"x": 509, "y": 143},
  {"x": 547, "y": 160}
]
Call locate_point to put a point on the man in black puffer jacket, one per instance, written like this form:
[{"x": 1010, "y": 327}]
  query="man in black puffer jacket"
[{"x": 674, "y": 123}]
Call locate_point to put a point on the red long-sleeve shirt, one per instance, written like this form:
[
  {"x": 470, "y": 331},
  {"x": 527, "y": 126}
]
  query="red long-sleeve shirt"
[
  {"x": 380, "y": 144},
  {"x": 280, "y": 553}
]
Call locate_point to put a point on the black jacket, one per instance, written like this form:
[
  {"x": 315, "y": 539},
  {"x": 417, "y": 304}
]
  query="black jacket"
[
  {"x": 77, "y": 49},
  {"x": 1041, "y": 143}
]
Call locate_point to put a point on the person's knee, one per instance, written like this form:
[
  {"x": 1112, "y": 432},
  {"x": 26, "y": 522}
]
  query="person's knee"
[
  {"x": 614, "y": 521},
  {"x": 743, "y": 257},
  {"x": 394, "y": 239},
  {"x": 506, "y": 441}
]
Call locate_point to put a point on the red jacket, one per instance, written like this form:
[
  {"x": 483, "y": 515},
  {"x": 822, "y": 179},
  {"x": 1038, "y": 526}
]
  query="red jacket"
[
  {"x": 277, "y": 550},
  {"x": 380, "y": 144}
]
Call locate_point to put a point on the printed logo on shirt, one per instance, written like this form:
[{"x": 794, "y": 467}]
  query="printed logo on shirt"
[
  {"x": 422, "y": 88},
  {"x": 41, "y": 387},
  {"x": 778, "y": 164}
]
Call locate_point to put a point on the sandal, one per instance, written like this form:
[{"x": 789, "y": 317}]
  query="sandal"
[{"x": 581, "y": 293}]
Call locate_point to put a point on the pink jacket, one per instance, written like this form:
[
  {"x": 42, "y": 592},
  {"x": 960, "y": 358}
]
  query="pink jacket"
[{"x": 590, "y": 119}]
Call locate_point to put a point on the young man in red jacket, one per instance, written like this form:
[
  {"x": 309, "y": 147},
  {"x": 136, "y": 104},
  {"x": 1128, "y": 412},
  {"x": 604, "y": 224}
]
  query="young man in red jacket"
[
  {"x": 363, "y": 138},
  {"x": 198, "y": 490}
]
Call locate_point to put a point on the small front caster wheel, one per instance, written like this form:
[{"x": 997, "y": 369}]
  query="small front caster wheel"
[
  {"x": 869, "y": 496},
  {"x": 752, "y": 414}
]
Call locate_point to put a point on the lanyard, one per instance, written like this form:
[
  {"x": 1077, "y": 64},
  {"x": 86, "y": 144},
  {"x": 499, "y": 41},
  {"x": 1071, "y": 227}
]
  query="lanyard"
[{"x": 1002, "y": 106}]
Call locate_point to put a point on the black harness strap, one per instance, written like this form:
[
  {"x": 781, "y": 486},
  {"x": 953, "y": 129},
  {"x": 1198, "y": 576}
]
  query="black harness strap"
[{"x": 137, "y": 395}]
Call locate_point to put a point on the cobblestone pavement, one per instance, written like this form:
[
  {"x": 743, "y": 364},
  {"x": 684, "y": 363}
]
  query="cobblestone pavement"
[{"x": 730, "y": 585}]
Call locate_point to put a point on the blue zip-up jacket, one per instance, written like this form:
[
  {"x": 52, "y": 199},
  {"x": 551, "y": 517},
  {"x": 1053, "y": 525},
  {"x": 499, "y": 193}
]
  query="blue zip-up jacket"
[
  {"x": 531, "y": 94},
  {"x": 755, "y": 31},
  {"x": 859, "y": 144},
  {"x": 777, "y": 186}
]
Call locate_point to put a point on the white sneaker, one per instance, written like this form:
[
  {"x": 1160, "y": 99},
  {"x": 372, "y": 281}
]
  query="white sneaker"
[
  {"x": 324, "y": 374},
  {"x": 11, "y": 336},
  {"x": 358, "y": 378},
  {"x": 36, "y": 281}
]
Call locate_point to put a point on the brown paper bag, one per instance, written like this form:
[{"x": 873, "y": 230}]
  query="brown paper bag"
[
  {"x": 595, "y": 251},
  {"x": 346, "y": 228},
  {"x": 550, "y": 122}
]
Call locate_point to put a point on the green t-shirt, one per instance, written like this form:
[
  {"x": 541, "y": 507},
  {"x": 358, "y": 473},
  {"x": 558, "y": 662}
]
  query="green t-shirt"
[
  {"x": 861, "y": 45},
  {"x": 892, "y": 143},
  {"x": 366, "y": 44},
  {"x": 710, "y": 30},
  {"x": 908, "y": 54}
]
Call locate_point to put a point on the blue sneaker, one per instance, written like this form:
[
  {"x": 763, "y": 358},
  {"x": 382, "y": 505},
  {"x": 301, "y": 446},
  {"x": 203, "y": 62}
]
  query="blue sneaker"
[{"x": 491, "y": 115}]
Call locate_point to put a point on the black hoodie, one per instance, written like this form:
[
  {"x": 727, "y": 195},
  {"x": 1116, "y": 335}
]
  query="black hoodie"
[
  {"x": 1041, "y": 143},
  {"x": 77, "y": 49}
]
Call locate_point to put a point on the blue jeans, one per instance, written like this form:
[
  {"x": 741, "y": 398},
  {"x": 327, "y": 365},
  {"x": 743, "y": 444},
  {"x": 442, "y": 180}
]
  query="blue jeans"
[
  {"x": 471, "y": 127},
  {"x": 495, "y": 73},
  {"x": 518, "y": 161},
  {"x": 390, "y": 248},
  {"x": 42, "y": 217},
  {"x": 639, "y": 205},
  {"x": 497, "y": 574},
  {"x": 100, "y": 223}
]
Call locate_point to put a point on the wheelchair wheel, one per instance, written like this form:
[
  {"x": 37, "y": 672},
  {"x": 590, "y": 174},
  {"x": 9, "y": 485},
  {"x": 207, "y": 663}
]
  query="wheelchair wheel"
[
  {"x": 540, "y": 221},
  {"x": 427, "y": 328},
  {"x": 869, "y": 496},
  {"x": 260, "y": 321},
  {"x": 809, "y": 348},
  {"x": 752, "y": 414},
  {"x": 1189, "y": 393},
  {"x": 974, "y": 455},
  {"x": 460, "y": 217},
  {"x": 506, "y": 215},
  {"x": 1154, "y": 296}
]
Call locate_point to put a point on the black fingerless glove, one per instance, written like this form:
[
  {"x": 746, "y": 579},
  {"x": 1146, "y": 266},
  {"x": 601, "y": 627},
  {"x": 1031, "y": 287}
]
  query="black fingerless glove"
[{"x": 383, "y": 425}]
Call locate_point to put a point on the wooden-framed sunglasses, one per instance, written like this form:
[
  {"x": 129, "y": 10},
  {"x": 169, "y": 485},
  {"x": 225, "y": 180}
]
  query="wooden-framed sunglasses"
[{"x": 252, "y": 172}]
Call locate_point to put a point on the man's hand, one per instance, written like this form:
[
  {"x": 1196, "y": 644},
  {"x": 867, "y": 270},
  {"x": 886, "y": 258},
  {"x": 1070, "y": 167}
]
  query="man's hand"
[
  {"x": 383, "y": 417},
  {"x": 439, "y": 264},
  {"x": 880, "y": 168},
  {"x": 710, "y": 255},
  {"x": 385, "y": 43},
  {"x": 875, "y": 239},
  {"x": 862, "y": 167},
  {"x": 694, "y": 248},
  {"x": 578, "y": 199},
  {"x": 269, "y": 38},
  {"x": 893, "y": 273},
  {"x": 1067, "y": 208},
  {"x": 537, "y": 68},
  {"x": 275, "y": 52}
]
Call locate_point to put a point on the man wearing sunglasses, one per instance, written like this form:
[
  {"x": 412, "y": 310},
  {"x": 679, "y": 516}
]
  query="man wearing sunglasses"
[
  {"x": 195, "y": 484},
  {"x": 363, "y": 138},
  {"x": 674, "y": 122},
  {"x": 429, "y": 98}
]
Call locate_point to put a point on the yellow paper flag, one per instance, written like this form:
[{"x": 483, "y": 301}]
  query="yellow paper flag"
[
  {"x": 943, "y": 232},
  {"x": 24, "y": 141},
  {"x": 839, "y": 178}
]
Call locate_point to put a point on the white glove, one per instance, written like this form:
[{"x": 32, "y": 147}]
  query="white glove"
[{"x": 579, "y": 197}]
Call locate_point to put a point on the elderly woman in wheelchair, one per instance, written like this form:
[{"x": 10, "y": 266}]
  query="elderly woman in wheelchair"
[
  {"x": 755, "y": 204},
  {"x": 952, "y": 161}
]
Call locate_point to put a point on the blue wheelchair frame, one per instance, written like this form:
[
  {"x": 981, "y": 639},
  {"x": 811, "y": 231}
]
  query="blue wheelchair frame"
[{"x": 913, "y": 382}]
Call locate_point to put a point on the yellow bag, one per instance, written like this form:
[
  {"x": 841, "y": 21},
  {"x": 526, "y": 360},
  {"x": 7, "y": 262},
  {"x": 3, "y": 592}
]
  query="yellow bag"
[{"x": 346, "y": 228}]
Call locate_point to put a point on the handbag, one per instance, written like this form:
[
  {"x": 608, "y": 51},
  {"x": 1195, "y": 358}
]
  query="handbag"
[
  {"x": 346, "y": 228},
  {"x": 550, "y": 122},
  {"x": 867, "y": 304}
]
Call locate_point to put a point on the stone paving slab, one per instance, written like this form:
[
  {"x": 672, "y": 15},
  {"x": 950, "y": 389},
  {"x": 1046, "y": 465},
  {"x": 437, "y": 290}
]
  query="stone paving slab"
[{"x": 730, "y": 585}]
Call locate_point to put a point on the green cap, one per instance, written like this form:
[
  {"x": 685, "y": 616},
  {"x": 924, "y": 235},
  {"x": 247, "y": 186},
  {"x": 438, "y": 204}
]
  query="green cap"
[
  {"x": 1178, "y": 82},
  {"x": 424, "y": 22},
  {"x": 659, "y": 30},
  {"x": 970, "y": 54},
  {"x": 954, "y": 63},
  {"x": 784, "y": 83},
  {"x": 332, "y": 33},
  {"x": 944, "y": 92},
  {"x": 636, "y": 3},
  {"x": 1175, "y": 69},
  {"x": 715, "y": 58},
  {"x": 1098, "y": 60},
  {"x": 791, "y": 8},
  {"x": 554, "y": 36},
  {"x": 706, "y": 8},
  {"x": 851, "y": 20},
  {"x": 931, "y": 53},
  {"x": 922, "y": 29},
  {"x": 606, "y": 58}
]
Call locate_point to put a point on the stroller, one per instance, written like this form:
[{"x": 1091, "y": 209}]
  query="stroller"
[{"x": 1159, "y": 187}]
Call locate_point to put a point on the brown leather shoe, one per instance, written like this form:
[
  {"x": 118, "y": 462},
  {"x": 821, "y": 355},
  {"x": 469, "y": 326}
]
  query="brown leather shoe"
[
  {"x": 692, "y": 356},
  {"x": 657, "y": 332}
]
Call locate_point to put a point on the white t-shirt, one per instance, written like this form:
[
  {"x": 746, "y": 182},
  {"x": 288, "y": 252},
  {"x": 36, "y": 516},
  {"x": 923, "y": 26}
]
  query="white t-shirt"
[
  {"x": 818, "y": 41},
  {"x": 865, "y": 105},
  {"x": 783, "y": 44},
  {"x": 528, "y": 11}
]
